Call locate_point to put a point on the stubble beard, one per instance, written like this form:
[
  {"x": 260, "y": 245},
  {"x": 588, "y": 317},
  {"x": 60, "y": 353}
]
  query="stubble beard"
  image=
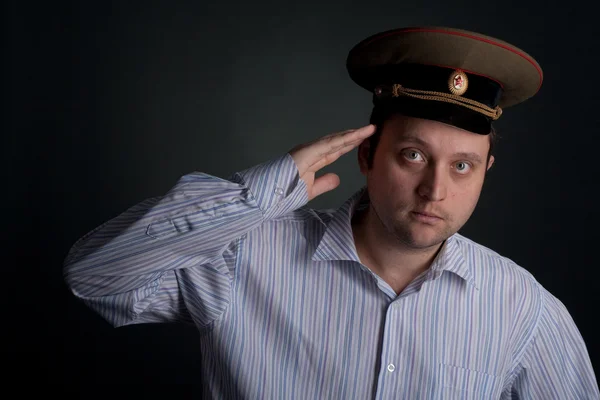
[{"x": 402, "y": 230}]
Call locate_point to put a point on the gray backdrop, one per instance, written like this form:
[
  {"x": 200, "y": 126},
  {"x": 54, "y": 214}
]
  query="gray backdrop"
[{"x": 112, "y": 102}]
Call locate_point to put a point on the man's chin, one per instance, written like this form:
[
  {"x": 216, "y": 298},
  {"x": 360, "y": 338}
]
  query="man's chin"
[
  {"x": 423, "y": 245},
  {"x": 421, "y": 238}
]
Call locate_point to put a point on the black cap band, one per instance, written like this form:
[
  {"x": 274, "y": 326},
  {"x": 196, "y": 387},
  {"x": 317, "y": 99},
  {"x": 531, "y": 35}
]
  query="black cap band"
[
  {"x": 447, "y": 113},
  {"x": 434, "y": 78}
]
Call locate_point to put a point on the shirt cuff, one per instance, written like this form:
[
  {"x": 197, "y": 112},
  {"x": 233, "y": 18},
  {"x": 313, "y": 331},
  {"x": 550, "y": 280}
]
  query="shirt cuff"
[{"x": 276, "y": 186}]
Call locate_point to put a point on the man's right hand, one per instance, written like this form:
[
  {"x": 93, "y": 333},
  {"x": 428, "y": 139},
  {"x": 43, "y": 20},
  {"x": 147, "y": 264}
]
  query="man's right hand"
[{"x": 311, "y": 157}]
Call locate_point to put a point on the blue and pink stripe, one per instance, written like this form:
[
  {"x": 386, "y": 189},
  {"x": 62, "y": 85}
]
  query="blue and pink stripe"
[{"x": 285, "y": 309}]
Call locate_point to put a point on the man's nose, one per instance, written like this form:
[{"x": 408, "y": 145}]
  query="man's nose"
[{"x": 433, "y": 185}]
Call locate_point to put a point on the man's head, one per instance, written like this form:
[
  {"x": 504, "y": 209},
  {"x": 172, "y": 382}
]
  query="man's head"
[
  {"x": 418, "y": 166},
  {"x": 450, "y": 85}
]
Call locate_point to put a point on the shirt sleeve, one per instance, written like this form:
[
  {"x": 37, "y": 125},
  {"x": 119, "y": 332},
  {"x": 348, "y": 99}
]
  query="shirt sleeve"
[
  {"x": 153, "y": 260},
  {"x": 556, "y": 363}
]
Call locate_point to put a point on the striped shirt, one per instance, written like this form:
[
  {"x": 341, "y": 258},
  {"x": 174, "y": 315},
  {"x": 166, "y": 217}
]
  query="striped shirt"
[{"x": 286, "y": 310}]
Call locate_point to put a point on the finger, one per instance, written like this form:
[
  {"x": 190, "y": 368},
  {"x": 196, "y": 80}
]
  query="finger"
[
  {"x": 324, "y": 184},
  {"x": 333, "y": 143},
  {"x": 306, "y": 156},
  {"x": 331, "y": 157}
]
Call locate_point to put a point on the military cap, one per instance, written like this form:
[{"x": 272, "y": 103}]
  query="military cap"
[{"x": 458, "y": 77}]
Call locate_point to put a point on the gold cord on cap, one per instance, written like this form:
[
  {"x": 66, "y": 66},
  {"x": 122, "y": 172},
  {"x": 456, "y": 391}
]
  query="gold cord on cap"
[{"x": 494, "y": 113}]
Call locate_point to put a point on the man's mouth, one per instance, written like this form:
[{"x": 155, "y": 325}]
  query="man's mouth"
[
  {"x": 427, "y": 214},
  {"x": 426, "y": 217}
]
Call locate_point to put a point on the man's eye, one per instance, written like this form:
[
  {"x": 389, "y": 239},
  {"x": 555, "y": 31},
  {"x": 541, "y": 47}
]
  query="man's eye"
[
  {"x": 412, "y": 155},
  {"x": 462, "y": 167}
]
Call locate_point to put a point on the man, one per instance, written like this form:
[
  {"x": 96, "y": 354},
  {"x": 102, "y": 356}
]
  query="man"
[{"x": 381, "y": 298}]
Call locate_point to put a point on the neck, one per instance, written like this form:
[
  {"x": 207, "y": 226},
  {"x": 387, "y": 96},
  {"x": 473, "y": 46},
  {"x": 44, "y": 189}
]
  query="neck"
[{"x": 387, "y": 256}]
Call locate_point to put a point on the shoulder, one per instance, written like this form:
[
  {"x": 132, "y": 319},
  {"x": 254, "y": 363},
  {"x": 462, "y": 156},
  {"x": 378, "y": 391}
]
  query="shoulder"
[
  {"x": 504, "y": 281},
  {"x": 510, "y": 282},
  {"x": 491, "y": 268},
  {"x": 501, "y": 279}
]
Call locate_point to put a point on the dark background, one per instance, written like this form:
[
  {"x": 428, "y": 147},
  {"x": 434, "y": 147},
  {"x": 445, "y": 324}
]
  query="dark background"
[{"x": 111, "y": 102}]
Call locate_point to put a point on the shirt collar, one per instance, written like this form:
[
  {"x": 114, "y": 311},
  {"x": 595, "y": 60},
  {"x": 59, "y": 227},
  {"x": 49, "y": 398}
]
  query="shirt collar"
[
  {"x": 451, "y": 258},
  {"x": 337, "y": 242}
]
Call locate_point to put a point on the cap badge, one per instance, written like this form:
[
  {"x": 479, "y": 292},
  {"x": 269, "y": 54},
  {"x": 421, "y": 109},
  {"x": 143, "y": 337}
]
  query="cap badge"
[{"x": 458, "y": 82}]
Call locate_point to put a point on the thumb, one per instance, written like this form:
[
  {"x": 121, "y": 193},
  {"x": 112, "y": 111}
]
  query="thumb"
[{"x": 324, "y": 184}]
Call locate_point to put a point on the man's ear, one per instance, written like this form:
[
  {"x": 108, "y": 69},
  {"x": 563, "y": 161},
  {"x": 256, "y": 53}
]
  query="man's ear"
[
  {"x": 490, "y": 163},
  {"x": 363, "y": 156}
]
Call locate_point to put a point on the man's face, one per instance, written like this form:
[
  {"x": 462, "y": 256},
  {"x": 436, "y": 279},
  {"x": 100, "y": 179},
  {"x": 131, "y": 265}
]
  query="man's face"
[{"x": 421, "y": 168}]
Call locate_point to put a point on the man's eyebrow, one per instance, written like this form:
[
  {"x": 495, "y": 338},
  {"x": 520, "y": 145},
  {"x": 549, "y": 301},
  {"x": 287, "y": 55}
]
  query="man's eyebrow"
[
  {"x": 462, "y": 154},
  {"x": 469, "y": 156},
  {"x": 413, "y": 139}
]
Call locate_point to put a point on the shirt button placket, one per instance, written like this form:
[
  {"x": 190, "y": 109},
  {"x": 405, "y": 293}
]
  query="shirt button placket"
[{"x": 388, "y": 376}]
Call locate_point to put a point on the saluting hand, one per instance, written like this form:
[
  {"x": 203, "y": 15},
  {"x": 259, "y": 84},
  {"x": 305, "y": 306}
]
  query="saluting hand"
[{"x": 312, "y": 156}]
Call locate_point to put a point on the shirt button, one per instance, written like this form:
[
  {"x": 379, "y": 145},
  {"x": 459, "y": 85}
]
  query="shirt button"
[
  {"x": 278, "y": 191},
  {"x": 391, "y": 367}
]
